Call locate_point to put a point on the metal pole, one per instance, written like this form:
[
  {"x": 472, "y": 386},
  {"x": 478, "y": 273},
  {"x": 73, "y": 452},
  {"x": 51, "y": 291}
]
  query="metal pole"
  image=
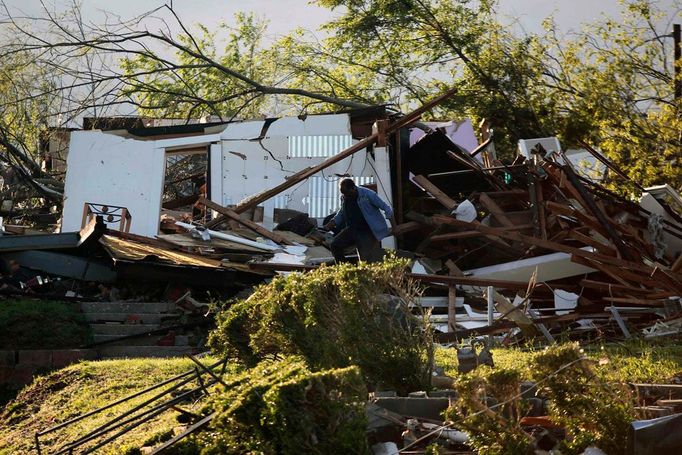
[
  {"x": 678, "y": 61},
  {"x": 491, "y": 312}
]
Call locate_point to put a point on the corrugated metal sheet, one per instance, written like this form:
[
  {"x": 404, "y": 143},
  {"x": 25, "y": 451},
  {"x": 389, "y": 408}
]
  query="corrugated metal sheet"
[
  {"x": 134, "y": 251},
  {"x": 320, "y": 146},
  {"x": 324, "y": 194}
]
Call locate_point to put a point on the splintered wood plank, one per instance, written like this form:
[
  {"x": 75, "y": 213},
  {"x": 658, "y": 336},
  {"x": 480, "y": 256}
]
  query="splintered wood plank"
[
  {"x": 434, "y": 191},
  {"x": 406, "y": 227},
  {"x": 514, "y": 314},
  {"x": 611, "y": 288},
  {"x": 589, "y": 241},
  {"x": 677, "y": 266},
  {"x": 234, "y": 216},
  {"x": 546, "y": 244},
  {"x": 453, "y": 270},
  {"x": 494, "y": 209}
]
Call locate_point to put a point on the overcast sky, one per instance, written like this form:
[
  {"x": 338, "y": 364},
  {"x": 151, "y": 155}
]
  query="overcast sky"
[{"x": 285, "y": 15}]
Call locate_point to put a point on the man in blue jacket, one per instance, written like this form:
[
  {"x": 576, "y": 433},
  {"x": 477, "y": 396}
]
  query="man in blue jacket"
[{"x": 360, "y": 223}]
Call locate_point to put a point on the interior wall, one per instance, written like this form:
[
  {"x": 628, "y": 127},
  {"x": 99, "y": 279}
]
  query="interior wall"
[
  {"x": 107, "y": 169},
  {"x": 256, "y": 157}
]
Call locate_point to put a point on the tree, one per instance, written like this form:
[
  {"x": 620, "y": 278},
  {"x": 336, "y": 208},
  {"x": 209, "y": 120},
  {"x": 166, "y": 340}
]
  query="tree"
[{"x": 610, "y": 85}]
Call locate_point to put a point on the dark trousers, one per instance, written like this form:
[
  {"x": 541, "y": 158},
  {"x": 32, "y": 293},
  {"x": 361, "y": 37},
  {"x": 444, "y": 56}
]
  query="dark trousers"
[{"x": 369, "y": 248}]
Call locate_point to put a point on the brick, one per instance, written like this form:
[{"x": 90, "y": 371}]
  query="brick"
[
  {"x": 23, "y": 375},
  {"x": 7, "y": 358},
  {"x": 64, "y": 357},
  {"x": 6, "y": 374},
  {"x": 42, "y": 358}
]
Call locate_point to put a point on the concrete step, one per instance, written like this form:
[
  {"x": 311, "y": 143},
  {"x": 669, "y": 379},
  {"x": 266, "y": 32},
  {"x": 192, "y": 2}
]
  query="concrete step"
[
  {"x": 116, "y": 352},
  {"x": 142, "y": 318},
  {"x": 120, "y": 330},
  {"x": 145, "y": 340},
  {"x": 127, "y": 307}
]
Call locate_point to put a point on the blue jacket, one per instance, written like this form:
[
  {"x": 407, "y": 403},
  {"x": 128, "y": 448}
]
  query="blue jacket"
[{"x": 369, "y": 203}]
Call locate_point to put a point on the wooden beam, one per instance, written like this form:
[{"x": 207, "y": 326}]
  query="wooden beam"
[
  {"x": 596, "y": 212},
  {"x": 589, "y": 241},
  {"x": 495, "y": 210},
  {"x": 434, "y": 191},
  {"x": 677, "y": 265},
  {"x": 470, "y": 281},
  {"x": 406, "y": 227},
  {"x": 247, "y": 223},
  {"x": 370, "y": 140},
  {"x": 469, "y": 234},
  {"x": 547, "y": 244},
  {"x": 611, "y": 288},
  {"x": 514, "y": 314}
]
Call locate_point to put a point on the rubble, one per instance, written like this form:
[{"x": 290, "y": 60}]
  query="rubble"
[{"x": 517, "y": 251}]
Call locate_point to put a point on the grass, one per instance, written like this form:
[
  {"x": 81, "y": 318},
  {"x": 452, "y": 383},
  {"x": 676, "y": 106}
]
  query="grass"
[
  {"x": 634, "y": 361},
  {"x": 83, "y": 387},
  {"x": 35, "y": 324}
]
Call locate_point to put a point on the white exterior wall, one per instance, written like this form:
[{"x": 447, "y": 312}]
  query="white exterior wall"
[
  {"x": 107, "y": 169},
  {"x": 249, "y": 166}
]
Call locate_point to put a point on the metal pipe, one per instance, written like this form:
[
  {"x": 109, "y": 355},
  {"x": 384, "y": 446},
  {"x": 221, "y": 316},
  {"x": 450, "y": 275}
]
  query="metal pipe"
[
  {"x": 231, "y": 238},
  {"x": 463, "y": 171},
  {"x": 122, "y": 400},
  {"x": 103, "y": 427},
  {"x": 207, "y": 370},
  {"x": 141, "y": 418}
]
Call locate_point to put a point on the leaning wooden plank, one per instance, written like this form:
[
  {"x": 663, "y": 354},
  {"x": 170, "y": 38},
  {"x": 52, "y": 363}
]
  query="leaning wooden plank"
[
  {"x": 434, "y": 191},
  {"x": 606, "y": 162},
  {"x": 363, "y": 144},
  {"x": 547, "y": 244},
  {"x": 470, "y": 281},
  {"x": 589, "y": 241},
  {"x": 495, "y": 209},
  {"x": 248, "y": 223},
  {"x": 514, "y": 314},
  {"x": 596, "y": 212},
  {"x": 677, "y": 265}
]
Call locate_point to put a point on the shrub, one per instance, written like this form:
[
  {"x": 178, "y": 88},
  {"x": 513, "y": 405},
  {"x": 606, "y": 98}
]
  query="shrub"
[
  {"x": 594, "y": 412},
  {"x": 493, "y": 430},
  {"x": 335, "y": 317},
  {"x": 281, "y": 407}
]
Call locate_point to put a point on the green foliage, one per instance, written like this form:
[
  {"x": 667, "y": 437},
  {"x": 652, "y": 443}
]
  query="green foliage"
[
  {"x": 610, "y": 84},
  {"x": 34, "y": 324},
  {"x": 586, "y": 389},
  {"x": 199, "y": 85},
  {"x": 83, "y": 387},
  {"x": 335, "y": 317},
  {"x": 593, "y": 411},
  {"x": 281, "y": 407},
  {"x": 494, "y": 430}
]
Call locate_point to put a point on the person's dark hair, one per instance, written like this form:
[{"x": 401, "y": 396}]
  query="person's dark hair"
[{"x": 347, "y": 184}]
